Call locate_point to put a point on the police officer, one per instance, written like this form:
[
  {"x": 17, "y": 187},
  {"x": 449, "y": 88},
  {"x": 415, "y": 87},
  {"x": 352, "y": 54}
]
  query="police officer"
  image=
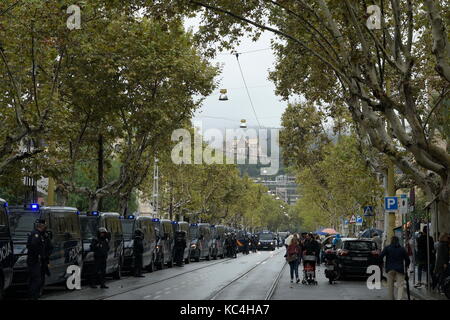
[
  {"x": 234, "y": 247},
  {"x": 138, "y": 251},
  {"x": 246, "y": 244},
  {"x": 100, "y": 247},
  {"x": 180, "y": 245},
  {"x": 36, "y": 257}
]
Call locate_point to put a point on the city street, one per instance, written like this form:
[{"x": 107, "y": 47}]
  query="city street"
[{"x": 246, "y": 278}]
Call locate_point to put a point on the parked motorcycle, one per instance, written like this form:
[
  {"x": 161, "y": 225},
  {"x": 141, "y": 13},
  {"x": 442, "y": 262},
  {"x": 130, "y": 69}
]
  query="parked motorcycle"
[{"x": 331, "y": 265}]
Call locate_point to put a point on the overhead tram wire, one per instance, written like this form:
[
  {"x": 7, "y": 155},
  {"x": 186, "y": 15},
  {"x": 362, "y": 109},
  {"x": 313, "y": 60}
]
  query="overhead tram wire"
[{"x": 248, "y": 92}]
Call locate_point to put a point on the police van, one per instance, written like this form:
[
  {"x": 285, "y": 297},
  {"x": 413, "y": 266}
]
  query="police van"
[
  {"x": 6, "y": 250},
  {"x": 184, "y": 226},
  {"x": 267, "y": 240},
  {"x": 165, "y": 240},
  {"x": 90, "y": 223},
  {"x": 129, "y": 225},
  {"x": 218, "y": 241},
  {"x": 63, "y": 229},
  {"x": 201, "y": 241}
]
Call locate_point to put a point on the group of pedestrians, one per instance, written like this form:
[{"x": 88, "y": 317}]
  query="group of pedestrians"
[
  {"x": 297, "y": 246},
  {"x": 398, "y": 260}
]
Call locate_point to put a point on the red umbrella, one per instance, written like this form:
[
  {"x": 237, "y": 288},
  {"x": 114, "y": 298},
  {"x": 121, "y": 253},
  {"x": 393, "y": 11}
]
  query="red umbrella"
[{"x": 329, "y": 231}]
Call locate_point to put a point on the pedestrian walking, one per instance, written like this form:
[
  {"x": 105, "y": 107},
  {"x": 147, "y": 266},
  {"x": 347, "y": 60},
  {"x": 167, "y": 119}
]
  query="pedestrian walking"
[
  {"x": 37, "y": 261},
  {"x": 100, "y": 247},
  {"x": 442, "y": 260},
  {"x": 422, "y": 256},
  {"x": 397, "y": 261},
  {"x": 293, "y": 255},
  {"x": 138, "y": 252}
]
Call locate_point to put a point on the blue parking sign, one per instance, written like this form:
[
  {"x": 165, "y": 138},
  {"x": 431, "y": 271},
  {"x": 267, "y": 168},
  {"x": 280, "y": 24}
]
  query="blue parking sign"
[{"x": 390, "y": 203}]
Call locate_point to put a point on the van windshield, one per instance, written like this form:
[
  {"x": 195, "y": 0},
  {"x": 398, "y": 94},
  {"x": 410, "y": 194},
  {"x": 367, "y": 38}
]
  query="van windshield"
[
  {"x": 127, "y": 229},
  {"x": 89, "y": 227},
  {"x": 22, "y": 223},
  {"x": 266, "y": 236}
]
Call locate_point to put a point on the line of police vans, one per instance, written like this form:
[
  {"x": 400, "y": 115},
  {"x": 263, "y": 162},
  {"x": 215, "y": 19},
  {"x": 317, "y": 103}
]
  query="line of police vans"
[{"x": 71, "y": 233}]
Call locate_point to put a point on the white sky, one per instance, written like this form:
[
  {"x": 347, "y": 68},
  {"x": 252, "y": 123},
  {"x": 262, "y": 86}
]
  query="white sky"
[{"x": 255, "y": 66}]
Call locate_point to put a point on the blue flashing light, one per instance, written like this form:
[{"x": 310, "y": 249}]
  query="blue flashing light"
[
  {"x": 193, "y": 224},
  {"x": 174, "y": 222},
  {"x": 34, "y": 206},
  {"x": 78, "y": 212},
  {"x": 5, "y": 204},
  {"x": 130, "y": 217},
  {"x": 94, "y": 213},
  {"x": 155, "y": 220}
]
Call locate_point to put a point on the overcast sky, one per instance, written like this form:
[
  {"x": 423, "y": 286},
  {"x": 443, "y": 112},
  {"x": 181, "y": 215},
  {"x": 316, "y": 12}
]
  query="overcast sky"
[{"x": 255, "y": 67}]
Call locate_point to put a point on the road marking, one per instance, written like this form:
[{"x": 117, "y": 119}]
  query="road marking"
[{"x": 263, "y": 262}]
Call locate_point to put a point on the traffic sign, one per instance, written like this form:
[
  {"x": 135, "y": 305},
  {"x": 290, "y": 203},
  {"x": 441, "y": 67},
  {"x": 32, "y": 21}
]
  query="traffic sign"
[
  {"x": 390, "y": 203},
  {"x": 403, "y": 205},
  {"x": 353, "y": 219},
  {"x": 359, "y": 220},
  {"x": 368, "y": 211},
  {"x": 345, "y": 221}
]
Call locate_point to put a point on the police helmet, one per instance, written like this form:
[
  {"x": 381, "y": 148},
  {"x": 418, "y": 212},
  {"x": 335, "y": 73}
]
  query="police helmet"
[{"x": 102, "y": 229}]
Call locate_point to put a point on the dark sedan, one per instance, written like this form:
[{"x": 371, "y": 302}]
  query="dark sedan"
[{"x": 355, "y": 255}]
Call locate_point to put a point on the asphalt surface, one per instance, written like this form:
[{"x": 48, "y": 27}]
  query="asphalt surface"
[{"x": 248, "y": 277}]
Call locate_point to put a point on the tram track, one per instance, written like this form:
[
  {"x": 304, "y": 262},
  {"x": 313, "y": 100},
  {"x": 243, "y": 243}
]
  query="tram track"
[
  {"x": 162, "y": 280},
  {"x": 272, "y": 288},
  {"x": 274, "y": 285}
]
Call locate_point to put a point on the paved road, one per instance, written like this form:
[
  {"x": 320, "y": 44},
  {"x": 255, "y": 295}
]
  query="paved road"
[{"x": 248, "y": 277}]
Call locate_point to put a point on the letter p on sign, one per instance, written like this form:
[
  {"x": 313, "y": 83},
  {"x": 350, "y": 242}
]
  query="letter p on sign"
[{"x": 74, "y": 280}]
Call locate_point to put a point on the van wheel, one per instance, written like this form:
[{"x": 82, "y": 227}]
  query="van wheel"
[
  {"x": 208, "y": 257},
  {"x": 118, "y": 273}
]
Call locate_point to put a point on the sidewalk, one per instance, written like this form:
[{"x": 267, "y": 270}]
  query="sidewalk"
[{"x": 423, "y": 294}]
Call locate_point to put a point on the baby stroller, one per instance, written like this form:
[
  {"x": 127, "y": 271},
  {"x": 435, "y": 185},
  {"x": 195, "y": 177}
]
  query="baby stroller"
[{"x": 309, "y": 269}]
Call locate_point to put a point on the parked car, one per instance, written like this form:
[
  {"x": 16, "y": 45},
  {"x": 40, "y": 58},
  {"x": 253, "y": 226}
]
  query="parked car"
[
  {"x": 184, "y": 226},
  {"x": 90, "y": 223},
  {"x": 64, "y": 232},
  {"x": 165, "y": 240},
  {"x": 218, "y": 241},
  {"x": 201, "y": 241},
  {"x": 6, "y": 250},
  {"x": 355, "y": 255}
]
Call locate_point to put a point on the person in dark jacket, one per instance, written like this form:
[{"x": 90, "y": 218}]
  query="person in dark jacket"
[
  {"x": 100, "y": 247},
  {"x": 36, "y": 259},
  {"x": 442, "y": 259},
  {"x": 138, "y": 252},
  {"x": 179, "y": 247},
  {"x": 422, "y": 255},
  {"x": 397, "y": 261}
]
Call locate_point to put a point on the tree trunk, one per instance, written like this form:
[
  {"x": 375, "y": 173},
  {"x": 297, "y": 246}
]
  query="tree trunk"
[
  {"x": 444, "y": 209},
  {"x": 93, "y": 203},
  {"x": 123, "y": 204}
]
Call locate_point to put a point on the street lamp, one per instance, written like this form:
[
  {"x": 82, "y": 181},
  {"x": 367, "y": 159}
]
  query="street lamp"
[{"x": 223, "y": 95}]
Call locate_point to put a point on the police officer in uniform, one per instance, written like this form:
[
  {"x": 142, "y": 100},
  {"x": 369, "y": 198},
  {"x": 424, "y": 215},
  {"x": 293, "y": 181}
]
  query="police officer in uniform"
[
  {"x": 180, "y": 245},
  {"x": 100, "y": 247},
  {"x": 36, "y": 258},
  {"x": 138, "y": 251}
]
